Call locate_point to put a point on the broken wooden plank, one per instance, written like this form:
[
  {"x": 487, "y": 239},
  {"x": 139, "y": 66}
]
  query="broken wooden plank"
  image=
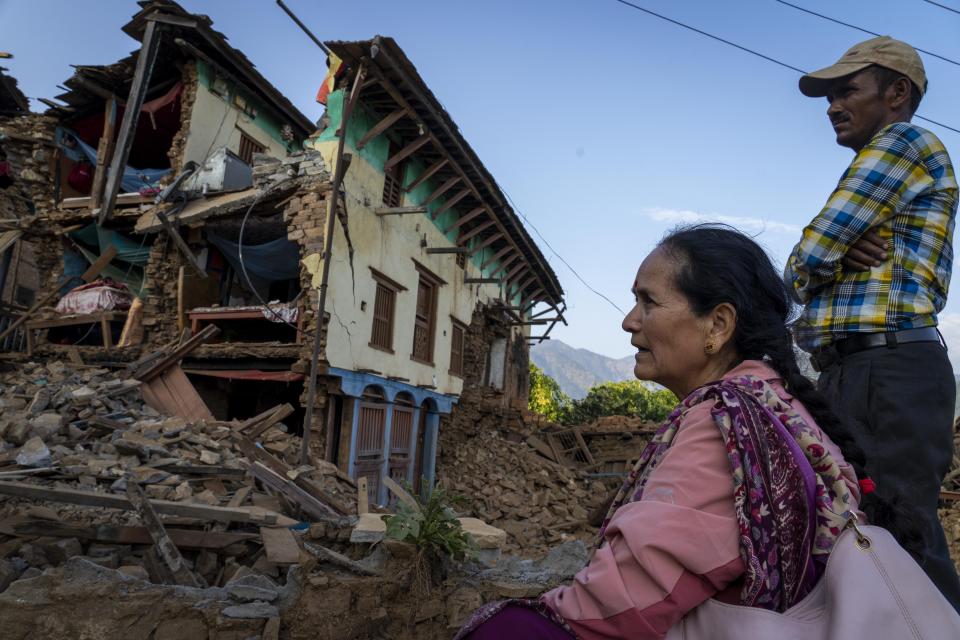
[
  {"x": 162, "y": 544},
  {"x": 401, "y": 493},
  {"x": 138, "y": 91},
  {"x": 154, "y": 368},
  {"x": 254, "y": 453},
  {"x": 338, "y": 560},
  {"x": 310, "y": 505},
  {"x": 112, "y": 501},
  {"x": 172, "y": 393},
  {"x": 280, "y": 545},
  {"x": 199, "y": 470},
  {"x": 278, "y": 414},
  {"x": 183, "y": 538},
  {"x": 542, "y": 448},
  {"x": 363, "y": 500}
]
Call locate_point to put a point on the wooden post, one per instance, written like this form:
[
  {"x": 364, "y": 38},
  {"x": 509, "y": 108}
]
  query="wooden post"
[
  {"x": 363, "y": 500},
  {"x": 168, "y": 552},
  {"x": 104, "y": 152},
  {"x": 138, "y": 90}
]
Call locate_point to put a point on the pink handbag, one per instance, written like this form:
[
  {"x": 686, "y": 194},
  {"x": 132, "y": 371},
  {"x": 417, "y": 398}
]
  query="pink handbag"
[{"x": 871, "y": 589}]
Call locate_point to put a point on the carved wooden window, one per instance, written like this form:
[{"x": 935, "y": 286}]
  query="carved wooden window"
[
  {"x": 248, "y": 147},
  {"x": 457, "y": 335},
  {"x": 383, "y": 306},
  {"x": 384, "y": 311},
  {"x": 393, "y": 182},
  {"x": 425, "y": 319}
]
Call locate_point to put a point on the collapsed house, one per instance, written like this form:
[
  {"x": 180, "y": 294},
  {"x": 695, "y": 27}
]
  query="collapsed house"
[{"x": 177, "y": 189}]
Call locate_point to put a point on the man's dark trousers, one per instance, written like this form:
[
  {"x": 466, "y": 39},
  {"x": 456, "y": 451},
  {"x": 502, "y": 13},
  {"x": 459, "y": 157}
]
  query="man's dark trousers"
[{"x": 901, "y": 401}]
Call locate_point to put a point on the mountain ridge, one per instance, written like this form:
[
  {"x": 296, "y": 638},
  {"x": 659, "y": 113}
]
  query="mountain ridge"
[{"x": 576, "y": 370}]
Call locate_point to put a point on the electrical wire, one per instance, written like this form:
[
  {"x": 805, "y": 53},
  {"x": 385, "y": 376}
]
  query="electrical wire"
[
  {"x": 861, "y": 29},
  {"x": 554, "y": 252},
  {"x": 246, "y": 276},
  {"x": 942, "y": 6},
  {"x": 756, "y": 53}
]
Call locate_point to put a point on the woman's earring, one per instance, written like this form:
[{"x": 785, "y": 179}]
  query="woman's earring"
[{"x": 710, "y": 347}]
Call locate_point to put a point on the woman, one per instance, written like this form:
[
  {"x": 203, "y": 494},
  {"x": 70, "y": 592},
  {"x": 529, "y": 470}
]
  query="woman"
[{"x": 742, "y": 492}]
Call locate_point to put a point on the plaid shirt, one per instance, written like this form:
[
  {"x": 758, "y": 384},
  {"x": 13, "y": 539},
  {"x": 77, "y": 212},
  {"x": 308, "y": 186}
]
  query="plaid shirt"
[{"x": 901, "y": 185}]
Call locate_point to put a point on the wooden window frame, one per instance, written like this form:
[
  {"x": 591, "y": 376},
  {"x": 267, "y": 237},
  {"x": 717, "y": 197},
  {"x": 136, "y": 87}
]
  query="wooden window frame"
[
  {"x": 393, "y": 182},
  {"x": 392, "y": 287},
  {"x": 434, "y": 282},
  {"x": 456, "y": 325},
  {"x": 248, "y": 144}
]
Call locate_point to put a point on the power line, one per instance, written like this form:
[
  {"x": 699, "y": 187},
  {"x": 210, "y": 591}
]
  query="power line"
[
  {"x": 559, "y": 257},
  {"x": 751, "y": 51},
  {"x": 942, "y": 6},
  {"x": 710, "y": 35},
  {"x": 868, "y": 32}
]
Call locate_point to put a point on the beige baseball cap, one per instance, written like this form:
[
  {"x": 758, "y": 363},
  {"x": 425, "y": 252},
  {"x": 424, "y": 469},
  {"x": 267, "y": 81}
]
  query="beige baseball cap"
[{"x": 883, "y": 51}]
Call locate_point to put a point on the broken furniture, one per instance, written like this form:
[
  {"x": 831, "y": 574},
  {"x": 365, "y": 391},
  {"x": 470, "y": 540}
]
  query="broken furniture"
[{"x": 103, "y": 318}]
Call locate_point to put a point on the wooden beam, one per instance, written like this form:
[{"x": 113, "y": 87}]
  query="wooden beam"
[
  {"x": 426, "y": 175},
  {"x": 505, "y": 265},
  {"x": 499, "y": 254},
  {"x": 532, "y": 295},
  {"x": 449, "y": 203},
  {"x": 312, "y": 507},
  {"x": 515, "y": 272},
  {"x": 183, "y": 538},
  {"x": 447, "y": 250},
  {"x": 152, "y": 368},
  {"x": 113, "y": 501},
  {"x": 462, "y": 220},
  {"x": 486, "y": 243},
  {"x": 481, "y": 280},
  {"x": 181, "y": 244},
  {"x": 523, "y": 285},
  {"x": 380, "y": 127},
  {"x": 99, "y": 264},
  {"x": 104, "y": 152},
  {"x": 408, "y": 150},
  {"x": 138, "y": 91},
  {"x": 163, "y": 546},
  {"x": 398, "y": 211},
  {"x": 439, "y": 191},
  {"x": 463, "y": 239}
]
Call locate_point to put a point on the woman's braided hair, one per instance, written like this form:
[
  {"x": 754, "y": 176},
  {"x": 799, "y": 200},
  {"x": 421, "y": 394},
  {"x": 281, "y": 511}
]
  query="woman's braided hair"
[{"x": 717, "y": 264}]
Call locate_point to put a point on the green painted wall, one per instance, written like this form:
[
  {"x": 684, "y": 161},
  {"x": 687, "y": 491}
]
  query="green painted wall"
[
  {"x": 263, "y": 120},
  {"x": 375, "y": 152}
]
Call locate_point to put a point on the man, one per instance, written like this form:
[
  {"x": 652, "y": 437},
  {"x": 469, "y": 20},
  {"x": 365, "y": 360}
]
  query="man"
[{"x": 872, "y": 269}]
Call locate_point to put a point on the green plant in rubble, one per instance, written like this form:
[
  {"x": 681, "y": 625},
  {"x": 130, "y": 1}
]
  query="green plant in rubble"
[{"x": 434, "y": 528}]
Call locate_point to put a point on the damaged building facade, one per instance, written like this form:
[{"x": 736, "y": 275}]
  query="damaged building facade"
[{"x": 178, "y": 189}]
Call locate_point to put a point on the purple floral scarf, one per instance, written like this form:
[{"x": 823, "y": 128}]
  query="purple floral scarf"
[{"x": 790, "y": 498}]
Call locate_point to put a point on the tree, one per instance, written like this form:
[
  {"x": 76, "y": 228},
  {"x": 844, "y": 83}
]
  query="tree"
[
  {"x": 546, "y": 397},
  {"x": 627, "y": 398}
]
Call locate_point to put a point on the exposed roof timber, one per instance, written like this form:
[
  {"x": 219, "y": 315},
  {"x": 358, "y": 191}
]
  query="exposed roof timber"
[
  {"x": 526, "y": 283},
  {"x": 427, "y": 174},
  {"x": 499, "y": 254},
  {"x": 464, "y": 219},
  {"x": 439, "y": 191},
  {"x": 514, "y": 272},
  {"x": 457, "y": 197},
  {"x": 404, "y": 153},
  {"x": 390, "y": 57},
  {"x": 506, "y": 264},
  {"x": 497, "y": 235},
  {"x": 380, "y": 127},
  {"x": 532, "y": 295},
  {"x": 198, "y": 29},
  {"x": 466, "y": 237},
  {"x": 388, "y": 86}
]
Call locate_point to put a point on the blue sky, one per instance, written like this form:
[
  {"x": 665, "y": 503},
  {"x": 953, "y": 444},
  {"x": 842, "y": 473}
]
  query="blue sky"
[{"x": 605, "y": 126}]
